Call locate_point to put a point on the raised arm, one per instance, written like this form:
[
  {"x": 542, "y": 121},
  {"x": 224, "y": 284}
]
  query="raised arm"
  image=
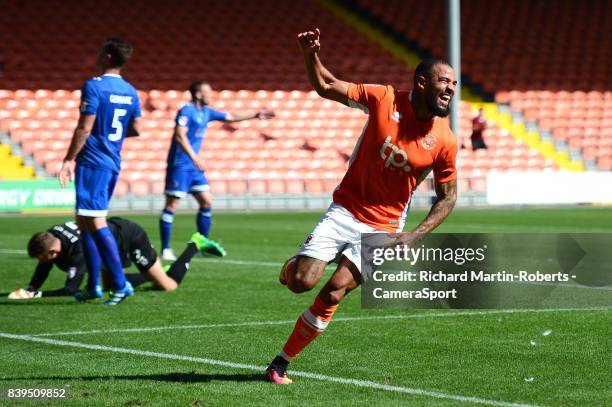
[
  {"x": 323, "y": 82},
  {"x": 79, "y": 137}
]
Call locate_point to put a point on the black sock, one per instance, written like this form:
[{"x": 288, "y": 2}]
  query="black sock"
[
  {"x": 136, "y": 279},
  {"x": 280, "y": 361},
  {"x": 181, "y": 265}
]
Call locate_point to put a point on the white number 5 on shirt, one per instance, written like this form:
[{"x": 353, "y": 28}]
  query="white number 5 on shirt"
[{"x": 117, "y": 125}]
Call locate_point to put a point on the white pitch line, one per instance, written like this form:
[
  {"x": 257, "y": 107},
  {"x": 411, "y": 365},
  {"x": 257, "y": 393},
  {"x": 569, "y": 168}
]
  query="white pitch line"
[
  {"x": 292, "y": 321},
  {"x": 204, "y": 259},
  {"x": 12, "y": 251},
  {"x": 278, "y": 264},
  {"x": 243, "y": 366},
  {"x": 240, "y": 262},
  {"x": 163, "y": 328}
]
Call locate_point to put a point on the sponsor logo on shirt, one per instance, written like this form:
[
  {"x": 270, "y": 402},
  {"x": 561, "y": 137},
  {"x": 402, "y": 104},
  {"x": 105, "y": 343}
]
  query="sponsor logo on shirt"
[
  {"x": 396, "y": 158},
  {"x": 140, "y": 259}
]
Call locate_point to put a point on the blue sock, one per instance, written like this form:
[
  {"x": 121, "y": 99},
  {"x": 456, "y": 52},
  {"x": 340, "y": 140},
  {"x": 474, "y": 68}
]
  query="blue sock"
[
  {"x": 165, "y": 227},
  {"x": 109, "y": 252},
  {"x": 204, "y": 220},
  {"x": 92, "y": 259}
]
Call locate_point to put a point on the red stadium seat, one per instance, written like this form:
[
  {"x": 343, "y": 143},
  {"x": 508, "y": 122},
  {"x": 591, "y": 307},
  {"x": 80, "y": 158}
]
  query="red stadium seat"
[
  {"x": 139, "y": 187},
  {"x": 40, "y": 101}
]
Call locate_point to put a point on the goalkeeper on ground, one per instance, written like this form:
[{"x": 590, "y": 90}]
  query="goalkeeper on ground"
[{"x": 60, "y": 245}]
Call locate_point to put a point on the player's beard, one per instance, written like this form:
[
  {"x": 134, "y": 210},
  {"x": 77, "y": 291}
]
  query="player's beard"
[{"x": 432, "y": 105}]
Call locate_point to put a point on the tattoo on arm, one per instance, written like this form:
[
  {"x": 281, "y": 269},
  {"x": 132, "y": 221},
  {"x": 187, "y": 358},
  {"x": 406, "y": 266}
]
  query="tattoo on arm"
[{"x": 447, "y": 196}]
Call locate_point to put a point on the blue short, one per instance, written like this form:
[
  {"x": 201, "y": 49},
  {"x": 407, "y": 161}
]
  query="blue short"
[
  {"x": 94, "y": 189},
  {"x": 180, "y": 181}
]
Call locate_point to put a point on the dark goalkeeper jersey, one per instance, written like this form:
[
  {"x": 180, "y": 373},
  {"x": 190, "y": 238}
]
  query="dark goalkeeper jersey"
[
  {"x": 70, "y": 260},
  {"x": 130, "y": 238}
]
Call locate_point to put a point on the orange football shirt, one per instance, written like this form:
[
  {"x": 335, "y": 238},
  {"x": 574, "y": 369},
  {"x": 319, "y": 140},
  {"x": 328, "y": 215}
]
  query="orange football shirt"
[{"x": 393, "y": 155}]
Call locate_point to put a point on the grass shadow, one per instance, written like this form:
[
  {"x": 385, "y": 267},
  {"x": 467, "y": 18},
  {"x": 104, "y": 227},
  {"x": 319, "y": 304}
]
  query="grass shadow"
[{"x": 175, "y": 377}]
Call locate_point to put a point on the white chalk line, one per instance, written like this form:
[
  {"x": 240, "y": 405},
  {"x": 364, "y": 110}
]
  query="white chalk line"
[
  {"x": 292, "y": 321},
  {"x": 243, "y": 366},
  {"x": 204, "y": 259},
  {"x": 239, "y": 262},
  {"x": 12, "y": 251},
  {"x": 278, "y": 264}
]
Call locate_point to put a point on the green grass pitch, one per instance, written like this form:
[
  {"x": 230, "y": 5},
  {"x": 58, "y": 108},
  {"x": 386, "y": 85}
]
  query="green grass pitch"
[{"x": 230, "y": 316}]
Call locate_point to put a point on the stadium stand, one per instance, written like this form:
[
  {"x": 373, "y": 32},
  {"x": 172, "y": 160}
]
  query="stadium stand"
[
  {"x": 12, "y": 166},
  {"x": 582, "y": 120},
  {"x": 309, "y": 142},
  {"x": 548, "y": 60},
  {"x": 235, "y": 45},
  {"x": 248, "y": 50}
]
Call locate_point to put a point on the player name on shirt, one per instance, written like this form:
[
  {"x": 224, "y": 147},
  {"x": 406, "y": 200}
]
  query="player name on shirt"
[
  {"x": 115, "y": 104},
  {"x": 122, "y": 100},
  {"x": 69, "y": 230}
]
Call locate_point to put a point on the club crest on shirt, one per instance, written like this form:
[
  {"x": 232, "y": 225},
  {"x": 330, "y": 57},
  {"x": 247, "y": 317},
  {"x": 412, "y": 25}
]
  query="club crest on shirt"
[
  {"x": 183, "y": 120},
  {"x": 397, "y": 116},
  {"x": 429, "y": 141}
]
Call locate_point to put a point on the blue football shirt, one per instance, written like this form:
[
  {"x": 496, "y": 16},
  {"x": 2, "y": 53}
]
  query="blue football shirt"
[
  {"x": 196, "y": 120},
  {"x": 114, "y": 102}
]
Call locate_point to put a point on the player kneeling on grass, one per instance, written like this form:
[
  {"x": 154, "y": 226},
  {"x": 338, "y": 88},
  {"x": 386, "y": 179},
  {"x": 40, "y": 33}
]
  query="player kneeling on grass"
[{"x": 61, "y": 246}]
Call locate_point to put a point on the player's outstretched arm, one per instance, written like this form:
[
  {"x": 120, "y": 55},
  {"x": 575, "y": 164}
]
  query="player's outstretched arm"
[
  {"x": 180, "y": 135},
  {"x": 238, "y": 117},
  {"x": 81, "y": 132},
  {"x": 73, "y": 283},
  {"x": 41, "y": 273},
  {"x": 40, "y": 276},
  {"x": 447, "y": 196},
  {"x": 323, "y": 82}
]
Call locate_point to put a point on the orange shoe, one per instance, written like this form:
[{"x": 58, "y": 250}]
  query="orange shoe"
[
  {"x": 277, "y": 374},
  {"x": 287, "y": 268}
]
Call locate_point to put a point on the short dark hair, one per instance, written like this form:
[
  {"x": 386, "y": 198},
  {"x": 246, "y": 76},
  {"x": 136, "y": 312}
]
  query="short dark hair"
[
  {"x": 195, "y": 86},
  {"x": 426, "y": 66},
  {"x": 40, "y": 243},
  {"x": 119, "y": 51}
]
